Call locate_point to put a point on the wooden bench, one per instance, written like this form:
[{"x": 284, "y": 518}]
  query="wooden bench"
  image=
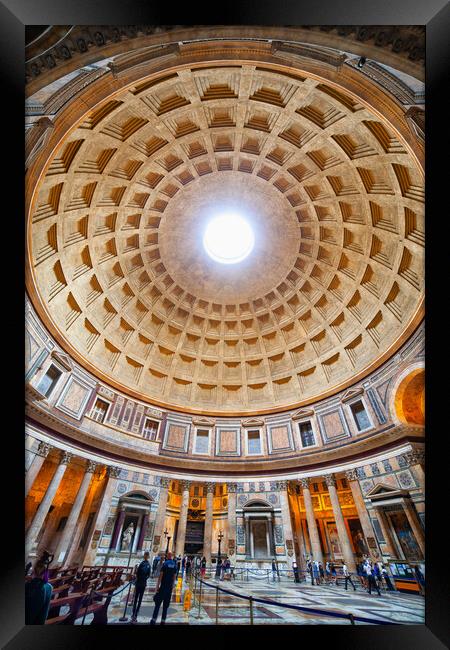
[
  {"x": 74, "y": 601},
  {"x": 98, "y": 607}
]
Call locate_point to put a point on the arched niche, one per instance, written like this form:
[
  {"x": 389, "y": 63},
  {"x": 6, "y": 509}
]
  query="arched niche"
[
  {"x": 409, "y": 398},
  {"x": 259, "y": 523},
  {"x": 132, "y": 524}
]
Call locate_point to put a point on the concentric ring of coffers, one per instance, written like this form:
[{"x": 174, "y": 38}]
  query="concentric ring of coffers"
[{"x": 119, "y": 267}]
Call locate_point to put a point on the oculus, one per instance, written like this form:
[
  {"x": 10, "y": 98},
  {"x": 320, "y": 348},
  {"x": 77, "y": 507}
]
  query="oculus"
[{"x": 228, "y": 238}]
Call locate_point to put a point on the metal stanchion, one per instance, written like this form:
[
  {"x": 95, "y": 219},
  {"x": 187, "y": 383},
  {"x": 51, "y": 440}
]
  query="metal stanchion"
[
  {"x": 124, "y": 616},
  {"x": 217, "y": 605},
  {"x": 251, "y": 610},
  {"x": 352, "y": 619},
  {"x": 87, "y": 605},
  {"x": 268, "y": 576},
  {"x": 199, "y": 599}
]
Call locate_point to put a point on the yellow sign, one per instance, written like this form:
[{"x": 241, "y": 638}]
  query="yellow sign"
[
  {"x": 187, "y": 600},
  {"x": 178, "y": 590}
]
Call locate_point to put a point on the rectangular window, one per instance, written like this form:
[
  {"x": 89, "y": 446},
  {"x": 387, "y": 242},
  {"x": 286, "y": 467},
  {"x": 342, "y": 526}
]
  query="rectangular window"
[
  {"x": 202, "y": 441},
  {"x": 99, "y": 410},
  {"x": 150, "y": 429},
  {"x": 254, "y": 442},
  {"x": 360, "y": 415},
  {"x": 307, "y": 434},
  {"x": 49, "y": 380}
]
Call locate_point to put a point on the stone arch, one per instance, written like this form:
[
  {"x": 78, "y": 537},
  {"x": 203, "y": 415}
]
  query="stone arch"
[
  {"x": 136, "y": 494},
  {"x": 408, "y": 396},
  {"x": 258, "y": 503}
]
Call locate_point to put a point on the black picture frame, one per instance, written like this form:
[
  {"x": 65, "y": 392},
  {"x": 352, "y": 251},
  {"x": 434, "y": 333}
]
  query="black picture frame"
[{"x": 434, "y": 14}]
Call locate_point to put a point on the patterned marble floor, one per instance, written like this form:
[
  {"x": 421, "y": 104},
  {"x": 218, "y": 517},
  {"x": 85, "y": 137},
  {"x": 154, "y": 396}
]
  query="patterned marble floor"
[{"x": 389, "y": 607}]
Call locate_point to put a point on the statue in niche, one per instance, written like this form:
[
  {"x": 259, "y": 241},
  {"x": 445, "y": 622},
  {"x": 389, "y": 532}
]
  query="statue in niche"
[{"x": 127, "y": 537}]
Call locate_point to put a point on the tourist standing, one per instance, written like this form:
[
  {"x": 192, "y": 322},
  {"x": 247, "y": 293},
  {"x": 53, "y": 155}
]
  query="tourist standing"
[
  {"x": 203, "y": 567},
  {"x": 274, "y": 570},
  {"x": 385, "y": 575},
  {"x": 38, "y": 593},
  {"x": 347, "y": 577},
  {"x": 295, "y": 570},
  {"x": 218, "y": 568},
  {"x": 142, "y": 575},
  {"x": 333, "y": 573},
  {"x": 164, "y": 586},
  {"x": 155, "y": 564},
  {"x": 321, "y": 573},
  {"x": 370, "y": 574},
  {"x": 188, "y": 566},
  {"x": 316, "y": 573},
  {"x": 328, "y": 573}
]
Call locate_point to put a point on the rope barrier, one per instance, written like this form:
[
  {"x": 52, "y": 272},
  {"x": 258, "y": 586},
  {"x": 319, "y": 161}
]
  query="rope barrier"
[{"x": 309, "y": 610}]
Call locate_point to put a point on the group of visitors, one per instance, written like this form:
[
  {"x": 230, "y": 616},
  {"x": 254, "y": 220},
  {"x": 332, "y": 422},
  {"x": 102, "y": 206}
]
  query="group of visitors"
[
  {"x": 373, "y": 575},
  {"x": 223, "y": 568},
  {"x": 318, "y": 574}
]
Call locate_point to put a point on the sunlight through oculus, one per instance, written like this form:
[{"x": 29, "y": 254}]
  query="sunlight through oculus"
[{"x": 228, "y": 238}]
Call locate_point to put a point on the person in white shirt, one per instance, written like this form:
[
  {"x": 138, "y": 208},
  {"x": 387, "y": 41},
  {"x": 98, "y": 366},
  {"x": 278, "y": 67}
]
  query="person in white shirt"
[
  {"x": 347, "y": 577},
  {"x": 371, "y": 578}
]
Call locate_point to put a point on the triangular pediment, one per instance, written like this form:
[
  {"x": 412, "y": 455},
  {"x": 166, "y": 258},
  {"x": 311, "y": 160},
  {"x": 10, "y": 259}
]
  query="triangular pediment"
[
  {"x": 252, "y": 422},
  {"x": 351, "y": 393},
  {"x": 302, "y": 413},
  {"x": 63, "y": 359},
  {"x": 203, "y": 422},
  {"x": 383, "y": 490}
]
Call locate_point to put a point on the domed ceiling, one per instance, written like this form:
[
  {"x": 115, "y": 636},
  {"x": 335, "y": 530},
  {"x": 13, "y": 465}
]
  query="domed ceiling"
[{"x": 333, "y": 284}]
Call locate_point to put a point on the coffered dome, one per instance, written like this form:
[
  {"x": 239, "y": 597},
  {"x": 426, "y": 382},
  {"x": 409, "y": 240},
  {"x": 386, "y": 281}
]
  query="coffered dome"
[{"x": 335, "y": 197}]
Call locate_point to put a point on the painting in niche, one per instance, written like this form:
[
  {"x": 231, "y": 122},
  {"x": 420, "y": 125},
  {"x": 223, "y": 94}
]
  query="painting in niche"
[
  {"x": 405, "y": 535},
  {"x": 357, "y": 536},
  {"x": 333, "y": 539}
]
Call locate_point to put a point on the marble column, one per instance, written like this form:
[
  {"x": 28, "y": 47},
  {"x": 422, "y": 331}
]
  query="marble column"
[
  {"x": 46, "y": 502},
  {"x": 340, "y": 524},
  {"x": 99, "y": 521},
  {"x": 232, "y": 541},
  {"x": 363, "y": 516},
  {"x": 207, "y": 539},
  {"x": 415, "y": 460},
  {"x": 34, "y": 469},
  {"x": 67, "y": 535},
  {"x": 287, "y": 523},
  {"x": 299, "y": 531},
  {"x": 181, "y": 534},
  {"x": 384, "y": 525},
  {"x": 414, "y": 522},
  {"x": 144, "y": 526},
  {"x": 158, "y": 540},
  {"x": 316, "y": 549},
  {"x": 117, "y": 528}
]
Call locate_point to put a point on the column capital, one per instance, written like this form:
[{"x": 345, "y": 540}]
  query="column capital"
[
  {"x": 282, "y": 485},
  {"x": 113, "y": 471},
  {"x": 91, "y": 467},
  {"x": 330, "y": 480},
  {"x": 44, "y": 449},
  {"x": 232, "y": 487},
  {"x": 351, "y": 475},
  {"x": 210, "y": 487},
  {"x": 164, "y": 481},
  {"x": 185, "y": 485},
  {"x": 414, "y": 457},
  {"x": 304, "y": 482},
  {"x": 66, "y": 457}
]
